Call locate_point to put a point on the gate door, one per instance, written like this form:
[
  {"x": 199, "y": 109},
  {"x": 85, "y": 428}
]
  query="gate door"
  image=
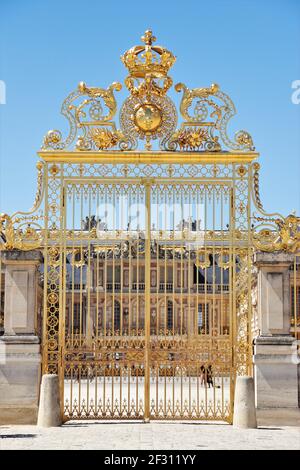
[
  {"x": 147, "y": 248},
  {"x": 147, "y": 303},
  {"x": 104, "y": 350}
]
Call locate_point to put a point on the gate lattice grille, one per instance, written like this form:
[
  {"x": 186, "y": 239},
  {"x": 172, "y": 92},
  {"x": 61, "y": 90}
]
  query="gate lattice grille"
[{"x": 148, "y": 295}]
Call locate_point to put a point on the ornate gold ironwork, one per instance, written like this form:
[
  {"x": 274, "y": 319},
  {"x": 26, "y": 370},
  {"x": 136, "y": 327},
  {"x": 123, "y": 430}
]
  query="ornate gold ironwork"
[
  {"x": 108, "y": 369},
  {"x": 198, "y": 132},
  {"x": 18, "y": 239},
  {"x": 149, "y": 119},
  {"x": 190, "y": 95},
  {"x": 147, "y": 315},
  {"x": 104, "y": 138},
  {"x": 23, "y": 230},
  {"x": 285, "y": 238},
  {"x": 84, "y": 110},
  {"x": 148, "y": 113},
  {"x": 148, "y": 59},
  {"x": 273, "y": 232}
]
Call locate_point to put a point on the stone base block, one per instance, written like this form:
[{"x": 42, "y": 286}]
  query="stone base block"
[
  {"x": 20, "y": 375},
  {"x": 275, "y": 369},
  {"x": 18, "y": 415},
  {"x": 278, "y": 417}
]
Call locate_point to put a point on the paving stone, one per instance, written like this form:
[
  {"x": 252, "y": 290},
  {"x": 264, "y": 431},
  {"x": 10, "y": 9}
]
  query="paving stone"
[{"x": 160, "y": 436}]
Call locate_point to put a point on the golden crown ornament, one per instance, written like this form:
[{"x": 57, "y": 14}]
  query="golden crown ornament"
[
  {"x": 148, "y": 114},
  {"x": 148, "y": 59}
]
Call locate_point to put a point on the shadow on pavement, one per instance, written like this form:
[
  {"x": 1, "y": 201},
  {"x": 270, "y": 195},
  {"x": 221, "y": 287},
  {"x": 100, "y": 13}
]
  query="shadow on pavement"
[{"x": 16, "y": 436}]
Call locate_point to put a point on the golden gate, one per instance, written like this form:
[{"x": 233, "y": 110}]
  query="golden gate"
[{"x": 147, "y": 248}]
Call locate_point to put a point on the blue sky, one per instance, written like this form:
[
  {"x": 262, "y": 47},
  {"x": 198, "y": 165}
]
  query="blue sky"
[{"x": 251, "y": 48}]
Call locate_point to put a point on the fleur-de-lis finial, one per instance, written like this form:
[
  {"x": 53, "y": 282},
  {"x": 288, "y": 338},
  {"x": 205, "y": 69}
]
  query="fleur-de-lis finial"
[{"x": 148, "y": 37}]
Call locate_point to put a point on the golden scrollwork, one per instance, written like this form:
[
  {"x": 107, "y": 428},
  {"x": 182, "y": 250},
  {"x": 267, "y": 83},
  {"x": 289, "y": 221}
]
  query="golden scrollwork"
[
  {"x": 52, "y": 138},
  {"x": 286, "y": 237},
  {"x": 202, "y": 259},
  {"x": 206, "y": 111},
  {"x": 272, "y": 232},
  {"x": 106, "y": 94},
  {"x": 86, "y": 114},
  {"x": 224, "y": 261},
  {"x": 209, "y": 110},
  {"x": 17, "y": 239},
  {"x": 244, "y": 139},
  {"x": 77, "y": 257},
  {"x": 190, "y": 95}
]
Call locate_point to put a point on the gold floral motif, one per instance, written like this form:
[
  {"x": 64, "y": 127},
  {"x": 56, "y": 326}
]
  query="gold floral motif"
[
  {"x": 194, "y": 139},
  {"x": 104, "y": 138},
  {"x": 52, "y": 138},
  {"x": 148, "y": 117},
  {"x": 244, "y": 138},
  {"x": 54, "y": 170},
  {"x": 242, "y": 171}
]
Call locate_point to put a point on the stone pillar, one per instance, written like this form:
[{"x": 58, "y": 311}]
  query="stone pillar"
[
  {"x": 20, "y": 358},
  {"x": 275, "y": 357}
]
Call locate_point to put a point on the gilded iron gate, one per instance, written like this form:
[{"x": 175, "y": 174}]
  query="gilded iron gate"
[
  {"x": 147, "y": 304},
  {"x": 147, "y": 271}
]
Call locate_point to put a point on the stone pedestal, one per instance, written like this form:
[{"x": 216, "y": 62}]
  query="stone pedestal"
[
  {"x": 275, "y": 356},
  {"x": 20, "y": 358},
  {"x": 20, "y": 375},
  {"x": 275, "y": 372}
]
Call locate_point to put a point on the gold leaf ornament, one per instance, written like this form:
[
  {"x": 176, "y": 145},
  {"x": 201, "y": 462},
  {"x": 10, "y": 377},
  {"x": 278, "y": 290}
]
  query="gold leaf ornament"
[{"x": 104, "y": 138}]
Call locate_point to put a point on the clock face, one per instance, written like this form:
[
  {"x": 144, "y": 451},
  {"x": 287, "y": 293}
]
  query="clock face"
[{"x": 148, "y": 117}]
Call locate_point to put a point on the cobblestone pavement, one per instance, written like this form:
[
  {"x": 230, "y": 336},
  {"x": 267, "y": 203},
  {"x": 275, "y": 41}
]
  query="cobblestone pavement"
[{"x": 159, "y": 436}]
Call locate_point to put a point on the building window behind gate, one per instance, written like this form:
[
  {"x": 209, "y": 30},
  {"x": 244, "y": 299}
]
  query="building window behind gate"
[
  {"x": 203, "y": 319},
  {"x": 170, "y": 322}
]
